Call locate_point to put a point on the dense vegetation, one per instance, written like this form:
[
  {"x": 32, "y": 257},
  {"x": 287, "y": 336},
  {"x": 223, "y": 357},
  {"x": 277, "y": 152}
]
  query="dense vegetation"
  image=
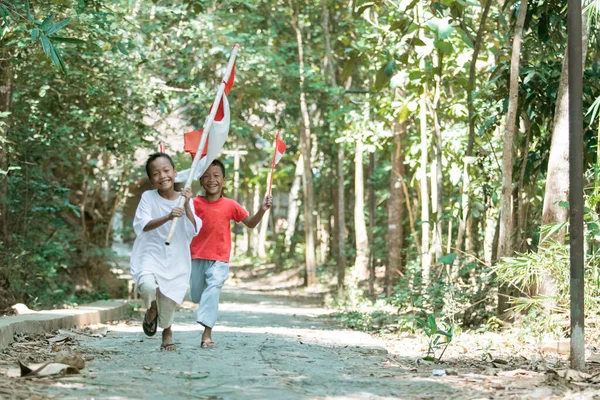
[{"x": 419, "y": 157}]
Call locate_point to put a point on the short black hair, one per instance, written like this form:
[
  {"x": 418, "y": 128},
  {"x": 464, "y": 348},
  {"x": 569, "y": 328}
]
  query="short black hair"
[
  {"x": 219, "y": 164},
  {"x": 153, "y": 157}
]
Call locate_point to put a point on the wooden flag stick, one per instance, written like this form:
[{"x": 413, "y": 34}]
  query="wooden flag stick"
[
  {"x": 273, "y": 164},
  {"x": 207, "y": 125}
]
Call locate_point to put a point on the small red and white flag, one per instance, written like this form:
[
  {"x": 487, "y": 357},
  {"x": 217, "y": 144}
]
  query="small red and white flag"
[
  {"x": 278, "y": 154},
  {"x": 216, "y": 137},
  {"x": 279, "y": 149}
]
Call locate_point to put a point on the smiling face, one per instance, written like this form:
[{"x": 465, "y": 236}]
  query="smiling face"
[
  {"x": 212, "y": 181},
  {"x": 162, "y": 174}
]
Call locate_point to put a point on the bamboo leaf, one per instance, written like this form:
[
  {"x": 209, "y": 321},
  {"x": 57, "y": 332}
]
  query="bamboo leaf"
[
  {"x": 58, "y": 26},
  {"x": 67, "y": 40},
  {"x": 35, "y": 34},
  {"x": 28, "y": 8},
  {"x": 46, "y": 44},
  {"x": 3, "y": 11},
  {"x": 54, "y": 56},
  {"x": 47, "y": 23},
  {"x": 61, "y": 61}
]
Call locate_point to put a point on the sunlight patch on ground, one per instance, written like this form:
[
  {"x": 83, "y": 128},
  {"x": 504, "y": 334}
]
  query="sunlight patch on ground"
[{"x": 262, "y": 308}]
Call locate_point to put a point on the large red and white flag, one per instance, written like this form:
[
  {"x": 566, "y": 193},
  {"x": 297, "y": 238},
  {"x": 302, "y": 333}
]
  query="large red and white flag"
[{"x": 216, "y": 137}]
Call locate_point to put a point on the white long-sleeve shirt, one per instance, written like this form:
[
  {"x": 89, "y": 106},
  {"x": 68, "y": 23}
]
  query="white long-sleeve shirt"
[{"x": 171, "y": 265}]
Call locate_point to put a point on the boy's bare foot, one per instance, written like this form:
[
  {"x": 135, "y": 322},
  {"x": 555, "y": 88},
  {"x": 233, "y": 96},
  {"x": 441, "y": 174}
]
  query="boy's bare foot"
[{"x": 167, "y": 340}]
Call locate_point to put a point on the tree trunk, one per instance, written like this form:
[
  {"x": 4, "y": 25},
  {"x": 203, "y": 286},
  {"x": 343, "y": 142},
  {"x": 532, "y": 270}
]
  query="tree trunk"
[
  {"x": 339, "y": 211},
  {"x": 122, "y": 193},
  {"x": 371, "y": 221},
  {"x": 293, "y": 205},
  {"x": 322, "y": 225},
  {"x": 361, "y": 262},
  {"x": 521, "y": 195},
  {"x": 395, "y": 237},
  {"x": 307, "y": 184},
  {"x": 262, "y": 236},
  {"x": 341, "y": 218},
  {"x": 425, "y": 228},
  {"x": 506, "y": 229},
  {"x": 6, "y": 79},
  {"x": 557, "y": 180},
  {"x": 471, "y": 115},
  {"x": 236, "y": 188},
  {"x": 437, "y": 204},
  {"x": 255, "y": 239}
]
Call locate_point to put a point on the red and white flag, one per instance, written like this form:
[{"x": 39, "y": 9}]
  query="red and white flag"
[
  {"x": 279, "y": 150},
  {"x": 278, "y": 154},
  {"x": 216, "y": 137}
]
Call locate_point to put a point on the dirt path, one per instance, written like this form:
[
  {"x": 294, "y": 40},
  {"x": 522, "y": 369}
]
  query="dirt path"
[
  {"x": 269, "y": 348},
  {"x": 274, "y": 348}
]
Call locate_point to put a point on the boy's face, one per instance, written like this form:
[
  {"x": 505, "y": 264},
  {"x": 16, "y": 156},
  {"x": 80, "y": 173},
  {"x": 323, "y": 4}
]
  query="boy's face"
[
  {"x": 162, "y": 174},
  {"x": 213, "y": 180}
]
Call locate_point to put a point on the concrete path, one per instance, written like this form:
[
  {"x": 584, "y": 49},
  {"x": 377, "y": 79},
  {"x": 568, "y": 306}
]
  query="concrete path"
[
  {"x": 268, "y": 348},
  {"x": 51, "y": 320}
]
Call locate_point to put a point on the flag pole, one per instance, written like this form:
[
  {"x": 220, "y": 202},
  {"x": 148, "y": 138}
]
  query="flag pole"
[
  {"x": 207, "y": 125},
  {"x": 273, "y": 163}
]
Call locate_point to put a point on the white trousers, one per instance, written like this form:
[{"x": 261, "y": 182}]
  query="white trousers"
[
  {"x": 149, "y": 292},
  {"x": 206, "y": 281}
]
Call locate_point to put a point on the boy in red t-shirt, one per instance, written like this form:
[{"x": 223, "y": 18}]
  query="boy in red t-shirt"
[{"x": 212, "y": 247}]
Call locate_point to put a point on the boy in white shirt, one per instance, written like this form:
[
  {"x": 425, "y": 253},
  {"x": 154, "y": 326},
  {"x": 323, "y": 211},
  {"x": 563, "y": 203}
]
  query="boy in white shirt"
[{"x": 162, "y": 273}]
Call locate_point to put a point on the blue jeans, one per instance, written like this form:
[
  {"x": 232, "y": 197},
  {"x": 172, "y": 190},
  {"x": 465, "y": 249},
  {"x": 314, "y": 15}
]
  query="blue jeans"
[{"x": 206, "y": 281}]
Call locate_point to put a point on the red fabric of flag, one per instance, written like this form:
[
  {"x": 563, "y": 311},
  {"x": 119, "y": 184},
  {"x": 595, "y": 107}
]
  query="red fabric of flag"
[{"x": 279, "y": 150}]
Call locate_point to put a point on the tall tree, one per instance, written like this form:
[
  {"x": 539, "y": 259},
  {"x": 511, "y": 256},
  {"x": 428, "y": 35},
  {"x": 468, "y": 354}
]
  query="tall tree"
[
  {"x": 423, "y": 167},
  {"x": 471, "y": 85},
  {"x": 307, "y": 184},
  {"x": 339, "y": 206},
  {"x": 556, "y": 194},
  {"x": 5, "y": 100},
  {"x": 396, "y": 204},
  {"x": 505, "y": 239},
  {"x": 361, "y": 263}
]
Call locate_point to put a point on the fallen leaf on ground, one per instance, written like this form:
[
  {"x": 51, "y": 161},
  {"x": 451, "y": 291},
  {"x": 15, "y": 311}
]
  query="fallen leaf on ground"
[
  {"x": 21, "y": 309},
  {"x": 58, "y": 339},
  {"x": 73, "y": 359},
  {"x": 516, "y": 372},
  {"x": 100, "y": 331},
  {"x": 571, "y": 375},
  {"x": 44, "y": 369}
]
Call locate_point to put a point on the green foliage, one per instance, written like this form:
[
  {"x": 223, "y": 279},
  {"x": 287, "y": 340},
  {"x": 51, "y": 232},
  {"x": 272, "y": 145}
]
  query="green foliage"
[
  {"x": 545, "y": 315},
  {"x": 439, "y": 337}
]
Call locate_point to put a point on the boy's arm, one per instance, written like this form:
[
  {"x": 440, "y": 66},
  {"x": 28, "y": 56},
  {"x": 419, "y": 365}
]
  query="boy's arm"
[
  {"x": 187, "y": 193},
  {"x": 252, "y": 221},
  {"x": 155, "y": 223}
]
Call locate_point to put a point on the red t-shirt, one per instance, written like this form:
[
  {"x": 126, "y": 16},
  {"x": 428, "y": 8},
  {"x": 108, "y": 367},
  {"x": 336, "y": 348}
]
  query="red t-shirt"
[{"x": 214, "y": 240}]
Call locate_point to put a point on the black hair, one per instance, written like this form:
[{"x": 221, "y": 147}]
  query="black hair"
[
  {"x": 153, "y": 157},
  {"x": 219, "y": 164}
]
